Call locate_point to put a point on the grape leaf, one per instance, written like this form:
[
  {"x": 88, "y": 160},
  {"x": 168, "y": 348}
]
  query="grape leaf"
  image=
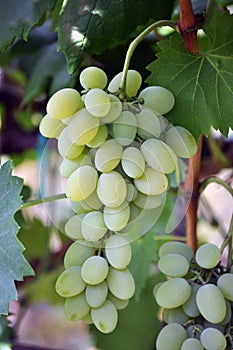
[
  {"x": 202, "y": 84},
  {"x": 13, "y": 265},
  {"x": 92, "y": 26},
  {"x": 17, "y": 18}
]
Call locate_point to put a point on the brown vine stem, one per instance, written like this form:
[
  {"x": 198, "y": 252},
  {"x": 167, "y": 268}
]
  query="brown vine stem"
[{"x": 186, "y": 23}]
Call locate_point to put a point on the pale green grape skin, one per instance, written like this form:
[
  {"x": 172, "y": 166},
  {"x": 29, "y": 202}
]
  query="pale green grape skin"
[
  {"x": 173, "y": 265},
  {"x": 83, "y": 127},
  {"x": 151, "y": 182},
  {"x": 78, "y": 208},
  {"x": 213, "y": 339},
  {"x": 133, "y": 82},
  {"x": 177, "y": 248},
  {"x": 94, "y": 270},
  {"x": 93, "y": 227},
  {"x": 132, "y": 192},
  {"x": 175, "y": 315},
  {"x": 147, "y": 202},
  {"x": 181, "y": 141},
  {"x": 81, "y": 183},
  {"x": 97, "y": 294},
  {"x": 171, "y": 337},
  {"x": 50, "y": 127},
  {"x": 190, "y": 307},
  {"x": 125, "y": 128},
  {"x": 64, "y": 103},
  {"x": 118, "y": 251},
  {"x": 225, "y": 283},
  {"x": 121, "y": 283},
  {"x": 66, "y": 148},
  {"x": 99, "y": 138},
  {"x": 105, "y": 317},
  {"x": 208, "y": 255},
  {"x": 76, "y": 308},
  {"x": 88, "y": 319},
  {"x": 97, "y": 102},
  {"x": 70, "y": 282},
  {"x": 93, "y": 77},
  {"x": 108, "y": 156},
  {"x": 173, "y": 293},
  {"x": 92, "y": 202},
  {"x": 77, "y": 253},
  {"x": 148, "y": 123},
  {"x": 133, "y": 162},
  {"x": 192, "y": 344},
  {"x": 158, "y": 98},
  {"x": 111, "y": 189},
  {"x": 228, "y": 316},
  {"x": 119, "y": 303},
  {"x": 117, "y": 218},
  {"x": 68, "y": 166},
  {"x": 115, "y": 110},
  {"x": 158, "y": 156},
  {"x": 211, "y": 303},
  {"x": 73, "y": 227}
]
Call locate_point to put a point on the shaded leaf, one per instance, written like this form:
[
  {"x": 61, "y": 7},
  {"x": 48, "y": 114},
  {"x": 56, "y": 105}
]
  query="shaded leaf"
[
  {"x": 202, "y": 84},
  {"x": 13, "y": 265}
]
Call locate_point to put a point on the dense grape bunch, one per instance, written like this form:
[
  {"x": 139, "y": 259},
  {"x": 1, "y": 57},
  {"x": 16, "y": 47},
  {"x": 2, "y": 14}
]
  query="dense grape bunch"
[
  {"x": 117, "y": 160},
  {"x": 196, "y": 300}
]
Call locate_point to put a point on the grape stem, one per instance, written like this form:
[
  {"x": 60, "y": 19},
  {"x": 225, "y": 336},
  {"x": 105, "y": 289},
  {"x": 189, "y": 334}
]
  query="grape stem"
[
  {"x": 228, "y": 241},
  {"x": 36, "y": 201},
  {"x": 135, "y": 43}
]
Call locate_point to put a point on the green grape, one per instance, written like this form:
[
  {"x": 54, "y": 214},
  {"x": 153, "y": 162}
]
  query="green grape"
[
  {"x": 93, "y": 77},
  {"x": 88, "y": 319},
  {"x": 92, "y": 202},
  {"x": 228, "y": 316},
  {"x": 94, "y": 270},
  {"x": 76, "y": 308},
  {"x": 108, "y": 156},
  {"x": 125, "y": 128},
  {"x": 190, "y": 307},
  {"x": 119, "y": 303},
  {"x": 171, "y": 337},
  {"x": 99, "y": 138},
  {"x": 70, "y": 282},
  {"x": 173, "y": 293},
  {"x": 147, "y": 202},
  {"x": 64, "y": 103},
  {"x": 151, "y": 182},
  {"x": 121, "y": 283},
  {"x": 175, "y": 315},
  {"x": 73, "y": 227},
  {"x": 97, "y": 294},
  {"x": 132, "y": 192},
  {"x": 158, "y": 98},
  {"x": 117, "y": 218},
  {"x": 118, "y": 251},
  {"x": 133, "y": 83},
  {"x": 177, "y": 248},
  {"x": 115, "y": 110},
  {"x": 173, "y": 265},
  {"x": 208, "y": 256},
  {"x": 225, "y": 283},
  {"x": 133, "y": 162},
  {"x": 77, "y": 253},
  {"x": 111, "y": 189},
  {"x": 68, "y": 166},
  {"x": 148, "y": 123},
  {"x": 83, "y": 127},
  {"x": 181, "y": 141},
  {"x": 211, "y": 303},
  {"x": 192, "y": 344},
  {"x": 213, "y": 339},
  {"x": 157, "y": 156},
  {"x": 66, "y": 147},
  {"x": 50, "y": 127},
  {"x": 97, "y": 102},
  {"x": 93, "y": 226},
  {"x": 78, "y": 208},
  {"x": 81, "y": 183},
  {"x": 105, "y": 317}
]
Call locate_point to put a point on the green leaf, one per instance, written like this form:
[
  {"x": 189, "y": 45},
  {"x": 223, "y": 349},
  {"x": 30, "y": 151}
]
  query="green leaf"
[
  {"x": 95, "y": 25},
  {"x": 202, "y": 84},
  {"x": 13, "y": 265},
  {"x": 18, "y": 17}
]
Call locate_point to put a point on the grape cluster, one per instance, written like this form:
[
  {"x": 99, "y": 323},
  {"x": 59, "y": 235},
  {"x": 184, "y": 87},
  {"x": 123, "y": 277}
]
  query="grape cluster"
[
  {"x": 196, "y": 299},
  {"x": 118, "y": 153}
]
